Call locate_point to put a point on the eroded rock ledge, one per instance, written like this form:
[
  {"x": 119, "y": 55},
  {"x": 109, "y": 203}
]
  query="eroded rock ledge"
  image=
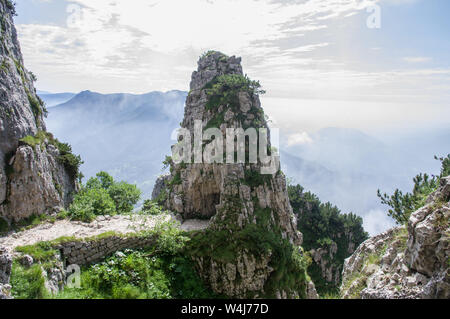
[{"x": 405, "y": 263}]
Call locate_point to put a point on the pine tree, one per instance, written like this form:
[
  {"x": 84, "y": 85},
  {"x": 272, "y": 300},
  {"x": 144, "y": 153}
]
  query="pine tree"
[{"x": 403, "y": 205}]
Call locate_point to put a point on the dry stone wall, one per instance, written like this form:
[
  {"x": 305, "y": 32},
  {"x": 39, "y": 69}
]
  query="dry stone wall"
[{"x": 91, "y": 251}]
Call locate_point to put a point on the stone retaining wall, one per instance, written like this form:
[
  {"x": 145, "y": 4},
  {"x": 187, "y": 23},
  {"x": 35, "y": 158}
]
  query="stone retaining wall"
[{"x": 94, "y": 250}]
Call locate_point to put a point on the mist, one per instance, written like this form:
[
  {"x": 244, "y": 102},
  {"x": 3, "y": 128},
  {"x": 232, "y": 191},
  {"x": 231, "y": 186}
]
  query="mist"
[{"x": 129, "y": 136}]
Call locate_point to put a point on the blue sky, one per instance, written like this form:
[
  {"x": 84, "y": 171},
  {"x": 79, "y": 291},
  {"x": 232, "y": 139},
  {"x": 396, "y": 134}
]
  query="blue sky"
[{"x": 313, "y": 57}]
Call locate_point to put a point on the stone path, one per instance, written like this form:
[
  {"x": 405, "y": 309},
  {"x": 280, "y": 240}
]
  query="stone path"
[{"x": 66, "y": 228}]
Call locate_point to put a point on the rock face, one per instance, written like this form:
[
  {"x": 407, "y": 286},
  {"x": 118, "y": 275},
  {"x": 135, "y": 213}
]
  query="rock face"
[
  {"x": 251, "y": 217},
  {"x": 32, "y": 180},
  {"x": 405, "y": 263},
  {"x": 323, "y": 258},
  {"x": 328, "y": 260},
  {"x": 5, "y": 272}
]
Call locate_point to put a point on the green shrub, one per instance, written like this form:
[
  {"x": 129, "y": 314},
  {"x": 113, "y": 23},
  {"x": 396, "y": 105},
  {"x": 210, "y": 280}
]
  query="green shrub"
[
  {"x": 90, "y": 203},
  {"x": 28, "y": 283},
  {"x": 106, "y": 180},
  {"x": 255, "y": 178},
  {"x": 136, "y": 275},
  {"x": 162, "y": 197},
  {"x": 70, "y": 161},
  {"x": 103, "y": 196},
  {"x": 224, "y": 90},
  {"x": 170, "y": 240},
  {"x": 167, "y": 162},
  {"x": 151, "y": 208},
  {"x": 176, "y": 180},
  {"x": 35, "y": 107},
  {"x": 125, "y": 196}
]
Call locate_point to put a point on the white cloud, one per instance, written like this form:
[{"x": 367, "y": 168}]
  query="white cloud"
[
  {"x": 377, "y": 221},
  {"x": 307, "y": 48},
  {"x": 418, "y": 59},
  {"x": 149, "y": 45},
  {"x": 299, "y": 139}
]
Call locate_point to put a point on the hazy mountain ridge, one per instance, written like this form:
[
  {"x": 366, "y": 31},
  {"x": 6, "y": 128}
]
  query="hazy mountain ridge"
[
  {"x": 116, "y": 132},
  {"x": 52, "y": 99}
]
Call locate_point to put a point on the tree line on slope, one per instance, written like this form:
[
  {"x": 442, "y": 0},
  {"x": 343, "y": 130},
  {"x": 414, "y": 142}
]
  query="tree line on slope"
[{"x": 323, "y": 226}]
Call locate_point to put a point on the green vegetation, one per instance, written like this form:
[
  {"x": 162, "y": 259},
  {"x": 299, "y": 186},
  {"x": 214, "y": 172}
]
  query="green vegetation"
[
  {"x": 125, "y": 196},
  {"x": 216, "y": 121},
  {"x": 161, "y": 271},
  {"x": 90, "y": 203},
  {"x": 139, "y": 274},
  {"x": 4, "y": 66},
  {"x": 4, "y": 227},
  {"x": 261, "y": 240},
  {"x": 42, "y": 252},
  {"x": 322, "y": 225},
  {"x": 11, "y": 6},
  {"x": 70, "y": 161},
  {"x": 211, "y": 52},
  {"x": 162, "y": 197},
  {"x": 151, "y": 208},
  {"x": 28, "y": 283},
  {"x": 207, "y": 54},
  {"x": 167, "y": 162},
  {"x": 255, "y": 178},
  {"x": 402, "y": 205},
  {"x": 35, "y": 107},
  {"x": 176, "y": 180},
  {"x": 103, "y": 196},
  {"x": 224, "y": 90}
]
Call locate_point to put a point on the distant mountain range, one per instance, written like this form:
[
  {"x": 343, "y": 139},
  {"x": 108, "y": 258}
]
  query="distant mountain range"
[
  {"x": 52, "y": 99},
  {"x": 129, "y": 136},
  {"x": 124, "y": 134}
]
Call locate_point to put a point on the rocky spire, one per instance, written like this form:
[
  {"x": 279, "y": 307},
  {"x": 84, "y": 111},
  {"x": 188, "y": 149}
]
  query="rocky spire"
[
  {"x": 251, "y": 248},
  {"x": 33, "y": 178}
]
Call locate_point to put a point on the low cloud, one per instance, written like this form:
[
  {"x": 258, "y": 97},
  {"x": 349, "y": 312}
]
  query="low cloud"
[
  {"x": 299, "y": 139},
  {"x": 377, "y": 221}
]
